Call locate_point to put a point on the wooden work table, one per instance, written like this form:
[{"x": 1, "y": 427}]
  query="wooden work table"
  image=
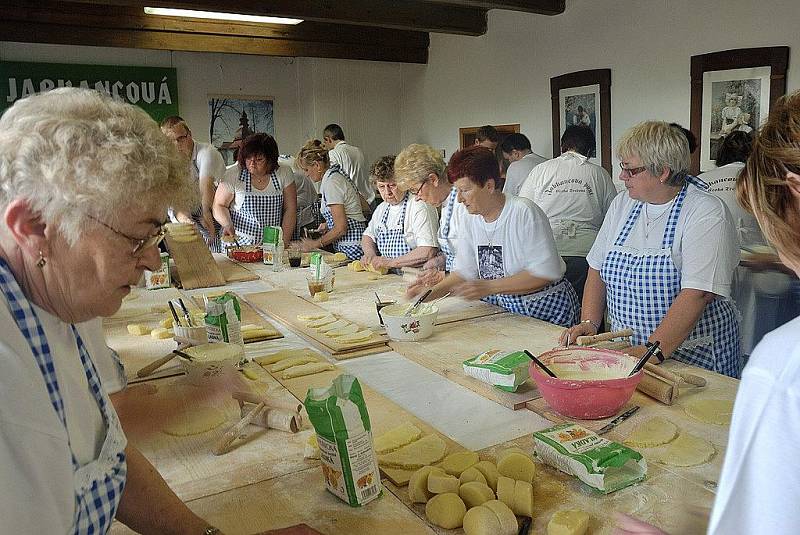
[{"x": 265, "y": 483}]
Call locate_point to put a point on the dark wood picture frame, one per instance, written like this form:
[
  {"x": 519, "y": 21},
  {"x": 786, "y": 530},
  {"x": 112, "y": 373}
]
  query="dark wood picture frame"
[
  {"x": 775, "y": 57},
  {"x": 466, "y": 136},
  {"x": 601, "y": 77}
]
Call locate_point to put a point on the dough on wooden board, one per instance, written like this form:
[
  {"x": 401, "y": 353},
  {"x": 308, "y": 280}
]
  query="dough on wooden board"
[
  {"x": 508, "y": 521},
  {"x": 481, "y": 521},
  {"x": 290, "y": 362},
  {"x": 516, "y": 466},
  {"x": 284, "y": 354},
  {"x": 418, "y": 485},
  {"x": 333, "y": 326},
  {"x": 489, "y": 471},
  {"x": 315, "y": 324},
  {"x": 396, "y": 438},
  {"x": 360, "y": 336},
  {"x": 307, "y": 369},
  {"x": 446, "y": 510},
  {"x": 196, "y": 421},
  {"x": 338, "y": 257},
  {"x": 457, "y": 462},
  {"x": 475, "y": 493},
  {"x": 349, "y": 329},
  {"x": 687, "y": 450},
  {"x": 138, "y": 330},
  {"x": 472, "y": 474},
  {"x": 312, "y": 317},
  {"x": 711, "y": 411},
  {"x": 427, "y": 450},
  {"x": 160, "y": 333},
  {"x": 654, "y": 432},
  {"x": 568, "y": 522}
]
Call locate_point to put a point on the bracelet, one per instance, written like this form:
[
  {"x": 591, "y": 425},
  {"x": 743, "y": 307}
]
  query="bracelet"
[
  {"x": 657, "y": 353},
  {"x": 211, "y": 530},
  {"x": 593, "y": 324}
]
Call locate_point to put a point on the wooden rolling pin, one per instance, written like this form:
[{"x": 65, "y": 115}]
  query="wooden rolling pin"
[
  {"x": 156, "y": 364},
  {"x": 664, "y": 385},
  {"x": 676, "y": 377},
  {"x": 249, "y": 397},
  {"x": 222, "y": 445},
  {"x": 602, "y": 337}
]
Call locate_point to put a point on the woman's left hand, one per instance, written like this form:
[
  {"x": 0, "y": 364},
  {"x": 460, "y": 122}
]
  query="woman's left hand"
[
  {"x": 474, "y": 289},
  {"x": 627, "y": 525},
  {"x": 307, "y": 245}
]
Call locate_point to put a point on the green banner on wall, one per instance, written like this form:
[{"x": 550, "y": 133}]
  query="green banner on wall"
[{"x": 154, "y": 89}]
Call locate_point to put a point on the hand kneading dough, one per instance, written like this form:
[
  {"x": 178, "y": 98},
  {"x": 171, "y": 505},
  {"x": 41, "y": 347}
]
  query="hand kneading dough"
[
  {"x": 516, "y": 466},
  {"x": 505, "y": 490},
  {"x": 523, "y": 498},
  {"x": 307, "y": 369},
  {"x": 355, "y": 265},
  {"x": 654, "y": 432},
  {"x": 475, "y": 493},
  {"x": 427, "y": 450},
  {"x": 569, "y": 522},
  {"x": 457, "y": 462},
  {"x": 687, "y": 450},
  {"x": 446, "y": 510},
  {"x": 472, "y": 474},
  {"x": 711, "y": 411},
  {"x": 440, "y": 483},
  {"x": 508, "y": 522},
  {"x": 418, "y": 485},
  {"x": 196, "y": 421},
  {"x": 489, "y": 471},
  {"x": 396, "y": 438},
  {"x": 481, "y": 521},
  {"x": 294, "y": 361}
]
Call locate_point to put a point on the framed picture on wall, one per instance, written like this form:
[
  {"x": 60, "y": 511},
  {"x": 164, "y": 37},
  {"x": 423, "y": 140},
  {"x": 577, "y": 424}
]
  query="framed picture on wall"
[
  {"x": 583, "y": 98},
  {"x": 467, "y": 136},
  {"x": 233, "y": 118},
  {"x": 732, "y": 90}
]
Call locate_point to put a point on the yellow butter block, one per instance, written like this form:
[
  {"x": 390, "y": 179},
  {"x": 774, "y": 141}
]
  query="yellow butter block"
[
  {"x": 160, "y": 333},
  {"x": 138, "y": 330},
  {"x": 569, "y": 522},
  {"x": 321, "y": 297}
]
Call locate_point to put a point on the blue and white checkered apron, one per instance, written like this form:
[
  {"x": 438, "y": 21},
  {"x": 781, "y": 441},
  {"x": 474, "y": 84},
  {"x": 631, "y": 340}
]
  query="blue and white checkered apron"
[
  {"x": 444, "y": 230},
  {"x": 99, "y": 483},
  {"x": 556, "y": 303},
  {"x": 641, "y": 287},
  {"x": 350, "y": 243},
  {"x": 257, "y": 210},
  {"x": 391, "y": 242}
]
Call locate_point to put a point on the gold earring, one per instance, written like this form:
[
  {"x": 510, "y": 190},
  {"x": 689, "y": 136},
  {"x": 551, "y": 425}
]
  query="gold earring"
[{"x": 41, "y": 262}]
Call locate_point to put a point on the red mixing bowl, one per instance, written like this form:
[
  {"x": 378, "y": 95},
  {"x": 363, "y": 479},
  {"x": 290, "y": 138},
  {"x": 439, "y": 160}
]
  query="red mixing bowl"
[{"x": 589, "y": 399}]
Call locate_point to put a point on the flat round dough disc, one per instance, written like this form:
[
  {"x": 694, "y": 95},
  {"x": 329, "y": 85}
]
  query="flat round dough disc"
[
  {"x": 320, "y": 322},
  {"x": 711, "y": 411},
  {"x": 654, "y": 432},
  {"x": 688, "y": 450},
  {"x": 197, "y": 421},
  {"x": 360, "y": 336}
]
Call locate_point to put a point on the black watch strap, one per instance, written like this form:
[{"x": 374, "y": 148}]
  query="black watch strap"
[{"x": 657, "y": 353}]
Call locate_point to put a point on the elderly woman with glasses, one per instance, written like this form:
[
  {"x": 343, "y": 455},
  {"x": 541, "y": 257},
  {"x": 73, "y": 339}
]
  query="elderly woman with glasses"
[
  {"x": 495, "y": 259},
  {"x": 258, "y": 193},
  {"x": 664, "y": 258},
  {"x": 85, "y": 182}
]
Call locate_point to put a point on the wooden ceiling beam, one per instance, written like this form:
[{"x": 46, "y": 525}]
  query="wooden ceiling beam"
[{"x": 541, "y": 7}]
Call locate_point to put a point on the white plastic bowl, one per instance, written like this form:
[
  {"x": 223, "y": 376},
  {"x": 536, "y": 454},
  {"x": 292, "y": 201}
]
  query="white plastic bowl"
[
  {"x": 211, "y": 362},
  {"x": 404, "y": 328}
]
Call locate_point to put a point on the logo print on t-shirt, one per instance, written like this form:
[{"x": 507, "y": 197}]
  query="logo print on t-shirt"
[
  {"x": 490, "y": 262},
  {"x": 569, "y": 185}
]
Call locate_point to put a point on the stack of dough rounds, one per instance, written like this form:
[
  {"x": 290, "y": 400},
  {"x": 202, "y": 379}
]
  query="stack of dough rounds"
[
  {"x": 475, "y": 493},
  {"x": 396, "y": 438},
  {"x": 516, "y": 464},
  {"x": 446, "y": 510},
  {"x": 425, "y": 451},
  {"x": 491, "y": 518},
  {"x": 518, "y": 495}
]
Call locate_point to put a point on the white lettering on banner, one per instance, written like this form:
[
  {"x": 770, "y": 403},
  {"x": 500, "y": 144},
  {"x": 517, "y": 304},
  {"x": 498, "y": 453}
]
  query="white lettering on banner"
[
  {"x": 27, "y": 88},
  {"x": 148, "y": 92},
  {"x": 46, "y": 85},
  {"x": 133, "y": 92},
  {"x": 103, "y": 86},
  {"x": 163, "y": 92},
  {"x": 64, "y": 83},
  {"x": 116, "y": 88},
  {"x": 12, "y": 90},
  {"x": 84, "y": 84}
]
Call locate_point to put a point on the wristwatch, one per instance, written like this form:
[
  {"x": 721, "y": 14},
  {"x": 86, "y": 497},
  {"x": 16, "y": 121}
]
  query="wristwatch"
[
  {"x": 211, "y": 530},
  {"x": 657, "y": 353},
  {"x": 593, "y": 324}
]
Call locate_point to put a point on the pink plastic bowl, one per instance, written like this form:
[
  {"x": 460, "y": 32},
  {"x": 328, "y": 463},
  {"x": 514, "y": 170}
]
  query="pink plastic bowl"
[{"x": 585, "y": 400}]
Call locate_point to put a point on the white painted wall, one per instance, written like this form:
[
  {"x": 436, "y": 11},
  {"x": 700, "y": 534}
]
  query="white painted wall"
[{"x": 504, "y": 76}]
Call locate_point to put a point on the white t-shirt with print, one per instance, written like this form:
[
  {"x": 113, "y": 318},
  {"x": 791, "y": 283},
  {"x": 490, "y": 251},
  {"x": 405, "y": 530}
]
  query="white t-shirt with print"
[
  {"x": 337, "y": 189},
  {"x": 420, "y": 226},
  {"x": 722, "y": 183},
  {"x": 705, "y": 249},
  {"x": 575, "y": 194},
  {"x": 237, "y": 187},
  {"x": 518, "y": 172},
  {"x": 519, "y": 239}
]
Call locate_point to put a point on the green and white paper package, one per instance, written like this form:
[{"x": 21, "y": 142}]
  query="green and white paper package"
[
  {"x": 340, "y": 418},
  {"x": 600, "y": 463},
  {"x": 224, "y": 319},
  {"x": 503, "y": 369}
]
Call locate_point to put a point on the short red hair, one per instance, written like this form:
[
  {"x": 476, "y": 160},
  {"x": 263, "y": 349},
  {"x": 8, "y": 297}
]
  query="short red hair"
[{"x": 476, "y": 163}]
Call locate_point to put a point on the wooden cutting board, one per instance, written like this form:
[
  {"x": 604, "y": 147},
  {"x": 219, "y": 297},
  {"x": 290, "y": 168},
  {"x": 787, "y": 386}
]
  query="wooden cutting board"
[
  {"x": 234, "y": 271},
  {"x": 285, "y": 306},
  {"x": 195, "y": 264}
]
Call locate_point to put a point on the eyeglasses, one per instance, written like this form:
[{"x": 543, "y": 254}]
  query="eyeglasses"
[
  {"x": 628, "y": 172},
  {"x": 412, "y": 191},
  {"x": 139, "y": 244},
  {"x": 255, "y": 159}
]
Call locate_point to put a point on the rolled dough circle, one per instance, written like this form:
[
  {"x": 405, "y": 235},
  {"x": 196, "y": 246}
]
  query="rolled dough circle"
[
  {"x": 688, "y": 450},
  {"x": 197, "y": 421},
  {"x": 654, "y": 432},
  {"x": 711, "y": 411}
]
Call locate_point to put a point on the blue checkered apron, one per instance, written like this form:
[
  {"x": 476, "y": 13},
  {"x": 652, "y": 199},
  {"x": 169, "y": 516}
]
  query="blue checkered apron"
[
  {"x": 257, "y": 211},
  {"x": 555, "y": 303},
  {"x": 642, "y": 286},
  {"x": 391, "y": 242},
  {"x": 99, "y": 483},
  {"x": 445, "y": 240},
  {"x": 350, "y": 243}
]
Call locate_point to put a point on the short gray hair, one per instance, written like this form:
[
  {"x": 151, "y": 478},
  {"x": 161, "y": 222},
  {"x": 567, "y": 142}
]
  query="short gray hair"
[
  {"x": 415, "y": 164},
  {"x": 70, "y": 149},
  {"x": 660, "y": 146}
]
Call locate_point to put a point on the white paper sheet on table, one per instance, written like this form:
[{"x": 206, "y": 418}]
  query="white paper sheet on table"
[{"x": 466, "y": 417}]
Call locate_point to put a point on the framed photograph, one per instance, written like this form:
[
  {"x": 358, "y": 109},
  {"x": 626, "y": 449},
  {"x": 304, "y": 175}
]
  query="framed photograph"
[
  {"x": 583, "y": 98},
  {"x": 466, "y": 136},
  {"x": 732, "y": 90},
  {"x": 233, "y": 118}
]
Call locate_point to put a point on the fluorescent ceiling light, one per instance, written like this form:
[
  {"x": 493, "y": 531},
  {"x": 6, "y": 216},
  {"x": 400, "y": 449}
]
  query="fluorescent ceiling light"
[{"x": 170, "y": 12}]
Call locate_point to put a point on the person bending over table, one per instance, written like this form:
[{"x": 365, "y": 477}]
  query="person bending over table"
[
  {"x": 340, "y": 205},
  {"x": 85, "y": 182},
  {"x": 256, "y": 194},
  {"x": 506, "y": 254},
  {"x": 758, "y": 490},
  {"x": 664, "y": 258},
  {"x": 420, "y": 169},
  {"x": 402, "y": 231}
]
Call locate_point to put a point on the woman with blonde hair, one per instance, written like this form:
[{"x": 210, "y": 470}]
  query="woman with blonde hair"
[
  {"x": 340, "y": 206},
  {"x": 664, "y": 258}
]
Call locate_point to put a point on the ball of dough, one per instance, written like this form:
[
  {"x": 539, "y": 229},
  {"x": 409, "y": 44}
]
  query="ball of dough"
[
  {"x": 440, "y": 483},
  {"x": 355, "y": 265},
  {"x": 505, "y": 491},
  {"x": 457, "y": 462},
  {"x": 489, "y": 471},
  {"x": 320, "y": 297},
  {"x": 481, "y": 521},
  {"x": 508, "y": 522},
  {"x": 517, "y": 466},
  {"x": 569, "y": 522},
  {"x": 446, "y": 510},
  {"x": 523, "y": 498},
  {"x": 418, "y": 485},
  {"x": 472, "y": 474},
  {"x": 475, "y": 493},
  {"x": 507, "y": 451}
]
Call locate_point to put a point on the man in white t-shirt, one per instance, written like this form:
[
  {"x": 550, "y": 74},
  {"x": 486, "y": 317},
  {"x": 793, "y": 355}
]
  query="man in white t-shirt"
[
  {"x": 351, "y": 161},
  {"x": 207, "y": 168},
  {"x": 403, "y": 230},
  {"x": 517, "y": 150}
]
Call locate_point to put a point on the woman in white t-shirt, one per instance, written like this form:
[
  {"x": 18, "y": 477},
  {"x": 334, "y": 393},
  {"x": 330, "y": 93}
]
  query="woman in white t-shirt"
[
  {"x": 494, "y": 259},
  {"x": 759, "y": 488},
  {"x": 340, "y": 205},
  {"x": 402, "y": 231},
  {"x": 261, "y": 194},
  {"x": 721, "y": 181},
  {"x": 664, "y": 258}
]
